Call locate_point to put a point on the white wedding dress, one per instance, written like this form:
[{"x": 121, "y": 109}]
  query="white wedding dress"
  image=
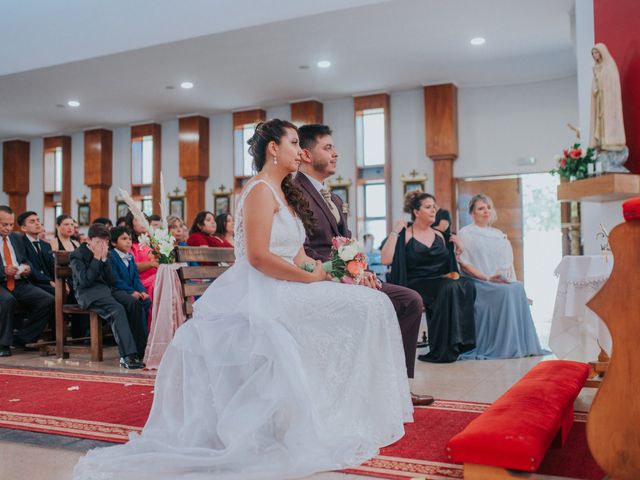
[{"x": 270, "y": 379}]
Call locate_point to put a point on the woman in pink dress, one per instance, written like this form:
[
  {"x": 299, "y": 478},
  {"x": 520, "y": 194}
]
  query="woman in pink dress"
[
  {"x": 145, "y": 259},
  {"x": 223, "y": 235}
]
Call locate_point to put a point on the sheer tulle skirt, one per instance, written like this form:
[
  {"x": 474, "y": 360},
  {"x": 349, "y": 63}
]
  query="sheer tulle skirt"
[{"x": 270, "y": 380}]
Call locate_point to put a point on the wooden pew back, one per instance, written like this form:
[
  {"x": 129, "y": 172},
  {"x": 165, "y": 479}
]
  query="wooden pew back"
[{"x": 212, "y": 262}]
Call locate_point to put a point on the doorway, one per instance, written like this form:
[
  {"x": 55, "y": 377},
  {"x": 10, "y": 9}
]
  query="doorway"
[{"x": 529, "y": 214}]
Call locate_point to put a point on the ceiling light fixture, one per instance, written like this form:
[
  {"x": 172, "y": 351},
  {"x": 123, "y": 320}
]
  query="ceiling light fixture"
[
  {"x": 186, "y": 85},
  {"x": 324, "y": 64},
  {"x": 477, "y": 41},
  {"x": 73, "y": 103}
]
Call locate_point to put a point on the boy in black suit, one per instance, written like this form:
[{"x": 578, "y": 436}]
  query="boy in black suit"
[
  {"x": 94, "y": 284},
  {"x": 14, "y": 287},
  {"x": 38, "y": 252}
]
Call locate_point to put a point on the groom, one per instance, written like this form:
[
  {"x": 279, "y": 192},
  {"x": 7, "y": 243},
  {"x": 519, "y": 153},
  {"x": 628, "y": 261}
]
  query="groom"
[{"x": 319, "y": 159}]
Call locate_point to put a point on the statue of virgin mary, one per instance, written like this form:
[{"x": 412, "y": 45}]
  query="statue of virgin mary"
[{"x": 606, "y": 133}]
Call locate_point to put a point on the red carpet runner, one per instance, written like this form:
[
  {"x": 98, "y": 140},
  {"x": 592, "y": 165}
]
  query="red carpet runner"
[
  {"x": 101, "y": 407},
  {"x": 108, "y": 407}
]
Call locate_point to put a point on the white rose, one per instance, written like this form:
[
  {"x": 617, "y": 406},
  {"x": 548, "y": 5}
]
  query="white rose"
[{"x": 347, "y": 252}]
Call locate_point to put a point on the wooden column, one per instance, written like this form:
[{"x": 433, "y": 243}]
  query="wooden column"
[
  {"x": 441, "y": 125},
  {"x": 15, "y": 173},
  {"x": 307, "y": 112},
  {"x": 64, "y": 142},
  {"x": 240, "y": 119},
  {"x": 194, "y": 162},
  {"x": 98, "y": 159},
  {"x": 154, "y": 130}
]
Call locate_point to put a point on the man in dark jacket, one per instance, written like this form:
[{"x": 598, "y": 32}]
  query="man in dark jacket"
[
  {"x": 14, "y": 287},
  {"x": 38, "y": 252},
  {"x": 93, "y": 283},
  {"x": 319, "y": 158}
]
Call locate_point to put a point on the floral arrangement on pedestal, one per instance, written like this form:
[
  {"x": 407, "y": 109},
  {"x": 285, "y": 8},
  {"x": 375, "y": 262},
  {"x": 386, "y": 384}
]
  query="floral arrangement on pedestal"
[
  {"x": 161, "y": 242},
  {"x": 574, "y": 163}
]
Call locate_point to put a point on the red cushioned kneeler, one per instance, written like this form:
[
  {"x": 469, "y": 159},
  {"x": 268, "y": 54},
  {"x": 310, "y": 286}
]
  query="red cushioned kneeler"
[
  {"x": 631, "y": 209},
  {"x": 518, "y": 429}
]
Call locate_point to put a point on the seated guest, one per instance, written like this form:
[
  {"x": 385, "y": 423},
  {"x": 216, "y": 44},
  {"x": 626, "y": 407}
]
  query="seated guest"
[
  {"x": 442, "y": 224},
  {"x": 125, "y": 271},
  {"x": 145, "y": 259},
  {"x": 77, "y": 236},
  {"x": 14, "y": 287},
  {"x": 38, "y": 253},
  {"x": 65, "y": 229},
  {"x": 121, "y": 222},
  {"x": 95, "y": 289},
  {"x": 104, "y": 221},
  {"x": 202, "y": 230},
  {"x": 223, "y": 236},
  {"x": 155, "y": 221},
  {"x": 178, "y": 229},
  {"x": 420, "y": 260},
  {"x": 504, "y": 327}
]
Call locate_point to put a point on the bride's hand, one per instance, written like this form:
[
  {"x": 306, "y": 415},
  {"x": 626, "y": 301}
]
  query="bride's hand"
[{"x": 318, "y": 274}]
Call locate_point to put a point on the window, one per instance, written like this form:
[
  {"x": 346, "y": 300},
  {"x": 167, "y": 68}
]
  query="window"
[
  {"x": 373, "y": 166},
  {"x": 244, "y": 126},
  {"x": 57, "y": 187},
  {"x": 243, "y": 161},
  {"x": 142, "y": 161},
  {"x": 375, "y": 210},
  {"x": 370, "y": 137}
]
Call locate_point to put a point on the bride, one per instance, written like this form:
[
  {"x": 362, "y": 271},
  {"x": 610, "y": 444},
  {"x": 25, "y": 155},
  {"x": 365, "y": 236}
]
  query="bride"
[{"x": 279, "y": 374}]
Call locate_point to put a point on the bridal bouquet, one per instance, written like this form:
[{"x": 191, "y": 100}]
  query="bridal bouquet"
[{"x": 347, "y": 263}]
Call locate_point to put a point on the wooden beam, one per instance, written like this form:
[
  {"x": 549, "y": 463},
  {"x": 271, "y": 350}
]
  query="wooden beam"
[
  {"x": 194, "y": 162},
  {"x": 15, "y": 173},
  {"x": 441, "y": 135},
  {"x": 98, "y": 159},
  {"x": 240, "y": 119},
  {"x": 307, "y": 112}
]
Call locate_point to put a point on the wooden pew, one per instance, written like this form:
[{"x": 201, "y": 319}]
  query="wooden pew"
[
  {"x": 63, "y": 345},
  {"x": 212, "y": 262}
]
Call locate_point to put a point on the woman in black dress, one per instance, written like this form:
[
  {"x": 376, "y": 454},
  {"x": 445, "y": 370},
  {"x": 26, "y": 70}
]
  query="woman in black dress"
[{"x": 421, "y": 260}]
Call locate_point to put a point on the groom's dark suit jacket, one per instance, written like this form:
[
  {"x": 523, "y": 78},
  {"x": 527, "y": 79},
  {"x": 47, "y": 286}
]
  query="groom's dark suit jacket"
[
  {"x": 407, "y": 303},
  {"x": 318, "y": 245}
]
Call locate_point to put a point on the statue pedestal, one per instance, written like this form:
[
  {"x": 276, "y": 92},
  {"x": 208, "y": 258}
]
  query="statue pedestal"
[{"x": 605, "y": 188}]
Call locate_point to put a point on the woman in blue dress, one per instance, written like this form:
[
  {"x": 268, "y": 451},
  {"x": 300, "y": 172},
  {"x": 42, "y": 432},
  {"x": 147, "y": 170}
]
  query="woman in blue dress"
[{"x": 504, "y": 326}]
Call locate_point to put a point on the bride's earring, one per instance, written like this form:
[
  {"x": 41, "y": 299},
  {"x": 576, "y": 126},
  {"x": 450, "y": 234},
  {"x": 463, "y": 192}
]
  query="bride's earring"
[{"x": 275, "y": 160}]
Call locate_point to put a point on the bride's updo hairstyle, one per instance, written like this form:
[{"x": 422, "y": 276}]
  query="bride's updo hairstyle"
[
  {"x": 413, "y": 200},
  {"x": 273, "y": 131}
]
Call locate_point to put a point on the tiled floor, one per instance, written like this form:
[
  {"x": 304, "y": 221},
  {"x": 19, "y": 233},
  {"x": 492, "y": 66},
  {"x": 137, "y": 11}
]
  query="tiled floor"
[{"x": 33, "y": 456}]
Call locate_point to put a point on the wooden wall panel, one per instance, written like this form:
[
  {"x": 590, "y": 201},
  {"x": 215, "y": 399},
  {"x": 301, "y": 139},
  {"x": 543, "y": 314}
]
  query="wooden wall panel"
[
  {"x": 63, "y": 142},
  {"x": 155, "y": 131},
  {"x": 307, "y": 112},
  {"x": 98, "y": 161},
  {"x": 194, "y": 162},
  {"x": 366, "y": 102},
  {"x": 15, "y": 173},
  {"x": 443, "y": 183},
  {"x": 441, "y": 121},
  {"x": 248, "y": 116}
]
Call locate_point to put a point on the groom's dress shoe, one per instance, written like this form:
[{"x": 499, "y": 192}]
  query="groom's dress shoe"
[
  {"x": 421, "y": 400},
  {"x": 5, "y": 351}
]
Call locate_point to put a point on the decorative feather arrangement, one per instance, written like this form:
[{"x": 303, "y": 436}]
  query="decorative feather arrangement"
[{"x": 135, "y": 209}]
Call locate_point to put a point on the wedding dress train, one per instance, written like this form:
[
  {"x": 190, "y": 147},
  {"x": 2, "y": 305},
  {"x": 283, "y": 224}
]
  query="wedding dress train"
[{"x": 270, "y": 379}]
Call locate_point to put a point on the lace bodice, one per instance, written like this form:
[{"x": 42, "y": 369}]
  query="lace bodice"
[{"x": 287, "y": 230}]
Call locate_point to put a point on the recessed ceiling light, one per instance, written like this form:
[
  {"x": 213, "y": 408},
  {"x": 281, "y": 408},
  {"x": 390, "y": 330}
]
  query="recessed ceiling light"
[
  {"x": 186, "y": 85},
  {"x": 303, "y": 67},
  {"x": 477, "y": 41},
  {"x": 73, "y": 103},
  {"x": 324, "y": 64},
  {"x": 170, "y": 87},
  {"x": 59, "y": 105}
]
